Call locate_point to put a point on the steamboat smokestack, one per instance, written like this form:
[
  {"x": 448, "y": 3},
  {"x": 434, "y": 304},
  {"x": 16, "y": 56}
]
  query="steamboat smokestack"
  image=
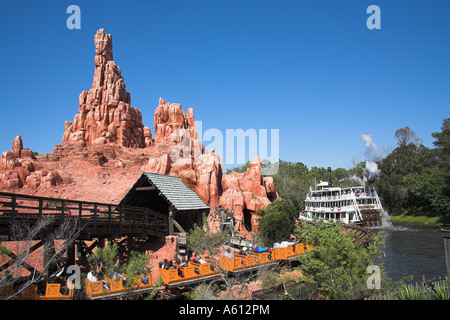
[{"x": 329, "y": 178}]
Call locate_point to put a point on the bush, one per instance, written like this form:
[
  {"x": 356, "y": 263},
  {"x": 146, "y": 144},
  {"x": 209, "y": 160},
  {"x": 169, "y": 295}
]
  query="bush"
[
  {"x": 339, "y": 264},
  {"x": 104, "y": 260},
  {"x": 410, "y": 292},
  {"x": 277, "y": 221},
  {"x": 439, "y": 291}
]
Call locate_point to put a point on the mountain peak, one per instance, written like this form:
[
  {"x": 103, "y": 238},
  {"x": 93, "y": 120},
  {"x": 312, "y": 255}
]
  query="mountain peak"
[{"x": 105, "y": 115}]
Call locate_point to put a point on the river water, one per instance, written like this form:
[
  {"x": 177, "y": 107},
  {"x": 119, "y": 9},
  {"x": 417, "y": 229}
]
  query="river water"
[{"x": 412, "y": 250}]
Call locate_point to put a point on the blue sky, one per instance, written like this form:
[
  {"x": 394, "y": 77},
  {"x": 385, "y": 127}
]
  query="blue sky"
[{"x": 311, "y": 69}]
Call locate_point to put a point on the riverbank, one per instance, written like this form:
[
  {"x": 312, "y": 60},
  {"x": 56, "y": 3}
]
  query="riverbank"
[{"x": 419, "y": 220}]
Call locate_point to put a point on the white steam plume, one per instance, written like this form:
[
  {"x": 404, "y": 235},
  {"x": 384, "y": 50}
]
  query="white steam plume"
[
  {"x": 371, "y": 149},
  {"x": 371, "y": 152},
  {"x": 372, "y": 168}
]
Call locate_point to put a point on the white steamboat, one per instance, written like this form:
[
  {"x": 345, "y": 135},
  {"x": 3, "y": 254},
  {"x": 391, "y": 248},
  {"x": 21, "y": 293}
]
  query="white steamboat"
[{"x": 357, "y": 205}]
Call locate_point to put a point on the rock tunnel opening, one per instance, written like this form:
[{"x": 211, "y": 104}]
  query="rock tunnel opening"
[{"x": 248, "y": 220}]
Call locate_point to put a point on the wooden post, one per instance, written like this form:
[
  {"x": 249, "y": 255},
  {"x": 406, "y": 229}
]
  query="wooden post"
[
  {"x": 109, "y": 219},
  {"x": 445, "y": 230},
  {"x": 40, "y": 207},
  {"x": 133, "y": 219},
  {"x": 80, "y": 250},
  {"x": 63, "y": 208},
  {"x": 80, "y": 212},
  {"x": 71, "y": 254},
  {"x": 170, "y": 221},
  {"x": 95, "y": 217},
  {"x": 120, "y": 221},
  {"x": 101, "y": 242},
  {"x": 145, "y": 221},
  {"x": 13, "y": 207}
]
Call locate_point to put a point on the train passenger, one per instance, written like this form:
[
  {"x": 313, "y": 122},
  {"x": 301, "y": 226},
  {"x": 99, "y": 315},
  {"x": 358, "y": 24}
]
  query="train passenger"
[
  {"x": 65, "y": 286},
  {"x": 92, "y": 276},
  {"x": 40, "y": 286},
  {"x": 117, "y": 275},
  {"x": 197, "y": 260},
  {"x": 184, "y": 262},
  {"x": 194, "y": 259},
  {"x": 212, "y": 265},
  {"x": 144, "y": 279},
  {"x": 201, "y": 261},
  {"x": 179, "y": 265},
  {"x": 228, "y": 254},
  {"x": 165, "y": 264},
  {"x": 260, "y": 249},
  {"x": 244, "y": 251},
  {"x": 60, "y": 269},
  {"x": 180, "y": 272},
  {"x": 104, "y": 283}
]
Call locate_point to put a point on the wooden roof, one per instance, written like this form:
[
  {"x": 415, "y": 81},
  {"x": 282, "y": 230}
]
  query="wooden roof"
[{"x": 172, "y": 189}]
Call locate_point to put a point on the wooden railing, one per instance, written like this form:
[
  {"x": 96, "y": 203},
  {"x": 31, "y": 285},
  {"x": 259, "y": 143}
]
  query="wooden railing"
[{"x": 95, "y": 218}]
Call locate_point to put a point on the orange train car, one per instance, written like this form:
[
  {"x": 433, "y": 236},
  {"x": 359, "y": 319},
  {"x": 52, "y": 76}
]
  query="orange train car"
[
  {"x": 96, "y": 288},
  {"x": 235, "y": 264},
  {"x": 53, "y": 292},
  {"x": 191, "y": 272}
]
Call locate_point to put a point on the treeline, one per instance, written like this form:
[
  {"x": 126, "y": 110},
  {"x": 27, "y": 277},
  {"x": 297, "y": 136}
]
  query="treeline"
[
  {"x": 412, "y": 179},
  {"x": 415, "y": 179},
  {"x": 293, "y": 179}
]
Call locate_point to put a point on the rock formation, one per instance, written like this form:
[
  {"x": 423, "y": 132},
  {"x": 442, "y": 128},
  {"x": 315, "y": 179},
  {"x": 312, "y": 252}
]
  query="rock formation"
[
  {"x": 105, "y": 114},
  {"x": 245, "y": 193},
  {"x": 19, "y": 168},
  {"x": 106, "y": 148},
  {"x": 187, "y": 158}
]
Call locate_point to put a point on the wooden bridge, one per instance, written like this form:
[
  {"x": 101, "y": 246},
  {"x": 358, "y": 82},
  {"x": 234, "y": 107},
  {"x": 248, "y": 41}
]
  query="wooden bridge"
[
  {"x": 94, "y": 219},
  {"x": 87, "y": 220}
]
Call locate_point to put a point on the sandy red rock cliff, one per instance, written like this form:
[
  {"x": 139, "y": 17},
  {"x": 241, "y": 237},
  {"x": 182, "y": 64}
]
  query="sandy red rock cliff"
[
  {"x": 19, "y": 168},
  {"x": 107, "y": 147}
]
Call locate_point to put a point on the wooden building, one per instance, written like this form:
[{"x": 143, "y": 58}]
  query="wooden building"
[{"x": 170, "y": 196}]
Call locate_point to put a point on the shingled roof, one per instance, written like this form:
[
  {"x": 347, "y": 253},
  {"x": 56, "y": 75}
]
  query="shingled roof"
[{"x": 174, "y": 190}]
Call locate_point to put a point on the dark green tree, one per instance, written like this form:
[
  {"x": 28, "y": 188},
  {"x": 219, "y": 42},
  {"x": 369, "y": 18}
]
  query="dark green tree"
[
  {"x": 442, "y": 143},
  {"x": 339, "y": 263},
  {"x": 277, "y": 221},
  {"x": 415, "y": 179},
  {"x": 292, "y": 183}
]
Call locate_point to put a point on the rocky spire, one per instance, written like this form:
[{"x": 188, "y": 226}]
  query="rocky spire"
[{"x": 105, "y": 115}]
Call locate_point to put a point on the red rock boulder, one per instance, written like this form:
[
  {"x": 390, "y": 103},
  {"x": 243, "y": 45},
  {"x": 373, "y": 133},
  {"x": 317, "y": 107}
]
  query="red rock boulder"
[{"x": 245, "y": 193}]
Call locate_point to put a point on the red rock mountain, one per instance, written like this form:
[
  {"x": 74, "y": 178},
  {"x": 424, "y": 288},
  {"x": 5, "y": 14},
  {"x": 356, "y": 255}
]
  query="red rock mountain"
[
  {"x": 105, "y": 114},
  {"x": 107, "y": 147}
]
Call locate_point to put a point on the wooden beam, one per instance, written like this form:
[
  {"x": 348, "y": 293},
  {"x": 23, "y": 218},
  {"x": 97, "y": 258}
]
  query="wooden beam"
[
  {"x": 177, "y": 225},
  {"x": 445, "y": 230},
  {"x": 145, "y": 188},
  {"x": 170, "y": 221},
  {"x": 19, "y": 257}
]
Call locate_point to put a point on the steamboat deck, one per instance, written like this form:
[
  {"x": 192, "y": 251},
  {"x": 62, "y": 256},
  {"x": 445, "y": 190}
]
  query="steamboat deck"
[{"x": 359, "y": 205}]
